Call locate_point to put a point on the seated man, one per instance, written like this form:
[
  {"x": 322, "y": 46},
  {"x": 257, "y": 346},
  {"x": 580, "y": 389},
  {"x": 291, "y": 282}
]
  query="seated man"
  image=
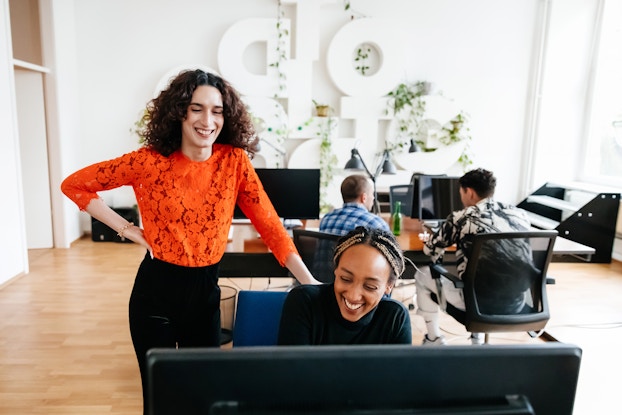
[
  {"x": 354, "y": 308},
  {"x": 357, "y": 192},
  {"x": 481, "y": 214}
]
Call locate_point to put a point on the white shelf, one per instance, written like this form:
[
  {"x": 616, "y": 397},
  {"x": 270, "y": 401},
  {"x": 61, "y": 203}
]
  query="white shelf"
[
  {"x": 585, "y": 187},
  {"x": 582, "y": 216},
  {"x": 553, "y": 202},
  {"x": 541, "y": 222}
]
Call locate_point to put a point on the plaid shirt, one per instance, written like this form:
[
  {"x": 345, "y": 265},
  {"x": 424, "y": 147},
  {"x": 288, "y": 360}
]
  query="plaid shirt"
[{"x": 342, "y": 220}]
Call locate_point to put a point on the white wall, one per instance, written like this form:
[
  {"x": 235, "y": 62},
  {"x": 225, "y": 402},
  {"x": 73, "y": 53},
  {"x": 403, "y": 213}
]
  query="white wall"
[
  {"x": 13, "y": 252},
  {"x": 34, "y": 158},
  {"x": 476, "y": 52},
  {"x": 111, "y": 54},
  {"x": 480, "y": 53}
]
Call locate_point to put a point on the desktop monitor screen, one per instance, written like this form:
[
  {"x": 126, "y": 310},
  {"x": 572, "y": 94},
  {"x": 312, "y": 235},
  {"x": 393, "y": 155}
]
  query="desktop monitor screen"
[
  {"x": 364, "y": 379},
  {"x": 295, "y": 193},
  {"x": 435, "y": 197}
]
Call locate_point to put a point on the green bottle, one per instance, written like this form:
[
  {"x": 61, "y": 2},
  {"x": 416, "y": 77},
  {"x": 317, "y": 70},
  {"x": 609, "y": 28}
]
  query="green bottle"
[{"x": 396, "y": 218}]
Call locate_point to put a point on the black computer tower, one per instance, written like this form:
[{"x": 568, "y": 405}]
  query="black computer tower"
[{"x": 102, "y": 233}]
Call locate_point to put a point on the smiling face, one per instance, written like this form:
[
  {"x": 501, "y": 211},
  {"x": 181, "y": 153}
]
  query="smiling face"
[
  {"x": 202, "y": 124},
  {"x": 361, "y": 280}
]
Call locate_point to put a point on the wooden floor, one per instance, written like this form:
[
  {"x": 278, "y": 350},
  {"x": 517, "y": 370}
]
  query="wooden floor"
[{"x": 65, "y": 345}]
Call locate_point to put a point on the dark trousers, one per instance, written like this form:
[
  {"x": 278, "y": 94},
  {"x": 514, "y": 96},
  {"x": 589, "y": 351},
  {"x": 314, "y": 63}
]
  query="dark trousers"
[{"x": 173, "y": 306}]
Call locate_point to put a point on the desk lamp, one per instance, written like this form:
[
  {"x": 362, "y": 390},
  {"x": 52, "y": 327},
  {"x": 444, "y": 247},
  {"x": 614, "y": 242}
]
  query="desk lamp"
[
  {"x": 414, "y": 147},
  {"x": 385, "y": 166},
  {"x": 257, "y": 147}
]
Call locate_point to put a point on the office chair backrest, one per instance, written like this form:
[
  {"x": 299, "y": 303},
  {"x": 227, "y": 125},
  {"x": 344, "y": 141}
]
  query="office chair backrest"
[
  {"x": 505, "y": 281},
  {"x": 403, "y": 193},
  {"x": 257, "y": 318},
  {"x": 316, "y": 250}
]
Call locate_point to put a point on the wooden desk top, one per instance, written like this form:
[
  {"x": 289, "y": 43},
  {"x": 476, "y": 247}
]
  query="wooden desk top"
[{"x": 244, "y": 237}]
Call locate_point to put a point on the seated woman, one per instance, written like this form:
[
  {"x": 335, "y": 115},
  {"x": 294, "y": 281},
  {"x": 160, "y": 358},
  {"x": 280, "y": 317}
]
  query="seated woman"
[{"x": 355, "y": 308}]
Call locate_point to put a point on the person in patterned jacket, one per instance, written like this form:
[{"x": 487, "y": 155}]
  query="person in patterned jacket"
[
  {"x": 188, "y": 176},
  {"x": 481, "y": 214}
]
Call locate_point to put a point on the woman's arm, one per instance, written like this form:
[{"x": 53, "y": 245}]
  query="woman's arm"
[
  {"x": 103, "y": 213},
  {"x": 294, "y": 264}
]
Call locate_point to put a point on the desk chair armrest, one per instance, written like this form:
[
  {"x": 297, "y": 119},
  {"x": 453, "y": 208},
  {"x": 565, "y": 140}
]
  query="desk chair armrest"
[{"x": 438, "y": 270}]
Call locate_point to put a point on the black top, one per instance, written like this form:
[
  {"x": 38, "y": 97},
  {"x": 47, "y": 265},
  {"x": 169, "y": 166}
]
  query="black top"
[{"x": 311, "y": 316}]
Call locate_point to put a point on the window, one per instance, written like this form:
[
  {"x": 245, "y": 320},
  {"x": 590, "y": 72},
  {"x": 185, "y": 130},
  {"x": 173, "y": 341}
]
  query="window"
[{"x": 603, "y": 161}]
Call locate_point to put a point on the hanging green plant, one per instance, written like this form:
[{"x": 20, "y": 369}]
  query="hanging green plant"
[
  {"x": 280, "y": 131},
  {"x": 281, "y": 55},
  {"x": 271, "y": 132},
  {"x": 407, "y": 104},
  {"x": 361, "y": 59},
  {"x": 408, "y": 107},
  {"x": 326, "y": 127},
  {"x": 457, "y": 130},
  {"x": 140, "y": 124}
]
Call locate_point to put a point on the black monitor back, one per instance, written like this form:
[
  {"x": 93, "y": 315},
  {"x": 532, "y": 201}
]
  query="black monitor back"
[
  {"x": 294, "y": 193},
  {"x": 435, "y": 197},
  {"x": 383, "y": 379}
]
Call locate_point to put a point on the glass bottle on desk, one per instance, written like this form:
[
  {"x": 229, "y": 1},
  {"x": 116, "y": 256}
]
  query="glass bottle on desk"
[{"x": 396, "y": 218}]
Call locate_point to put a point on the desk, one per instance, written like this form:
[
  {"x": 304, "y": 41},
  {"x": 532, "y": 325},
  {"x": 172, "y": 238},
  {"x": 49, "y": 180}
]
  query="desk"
[
  {"x": 247, "y": 255},
  {"x": 565, "y": 246}
]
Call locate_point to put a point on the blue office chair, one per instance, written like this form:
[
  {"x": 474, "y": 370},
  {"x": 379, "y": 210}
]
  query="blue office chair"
[{"x": 257, "y": 318}]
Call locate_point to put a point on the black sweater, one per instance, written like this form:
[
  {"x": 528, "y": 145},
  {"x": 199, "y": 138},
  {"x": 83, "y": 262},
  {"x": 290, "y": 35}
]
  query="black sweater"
[{"x": 311, "y": 316}]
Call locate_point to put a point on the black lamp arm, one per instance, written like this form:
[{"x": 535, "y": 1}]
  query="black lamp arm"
[
  {"x": 373, "y": 177},
  {"x": 356, "y": 152}
]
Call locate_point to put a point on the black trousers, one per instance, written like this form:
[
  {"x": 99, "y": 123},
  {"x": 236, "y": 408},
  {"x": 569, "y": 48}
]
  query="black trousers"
[{"x": 173, "y": 306}]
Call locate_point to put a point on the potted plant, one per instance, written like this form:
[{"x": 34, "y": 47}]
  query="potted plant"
[{"x": 322, "y": 110}]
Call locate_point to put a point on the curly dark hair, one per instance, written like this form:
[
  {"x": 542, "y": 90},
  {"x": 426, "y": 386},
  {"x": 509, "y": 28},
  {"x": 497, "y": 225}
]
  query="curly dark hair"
[
  {"x": 480, "y": 180},
  {"x": 165, "y": 113}
]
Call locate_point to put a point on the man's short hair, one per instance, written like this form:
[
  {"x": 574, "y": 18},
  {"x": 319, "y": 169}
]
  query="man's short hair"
[
  {"x": 483, "y": 182},
  {"x": 353, "y": 186}
]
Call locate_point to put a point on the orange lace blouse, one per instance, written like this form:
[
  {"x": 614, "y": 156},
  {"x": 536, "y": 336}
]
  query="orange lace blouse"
[{"x": 186, "y": 207}]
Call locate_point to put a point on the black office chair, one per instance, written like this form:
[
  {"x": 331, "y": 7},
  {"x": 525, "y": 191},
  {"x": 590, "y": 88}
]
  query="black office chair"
[
  {"x": 316, "y": 249},
  {"x": 403, "y": 193},
  {"x": 504, "y": 284}
]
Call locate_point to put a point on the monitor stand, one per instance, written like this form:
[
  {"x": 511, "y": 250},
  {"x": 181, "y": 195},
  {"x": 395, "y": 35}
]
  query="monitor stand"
[{"x": 292, "y": 223}]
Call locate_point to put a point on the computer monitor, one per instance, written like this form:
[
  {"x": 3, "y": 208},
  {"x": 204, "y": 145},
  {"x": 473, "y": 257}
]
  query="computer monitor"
[
  {"x": 295, "y": 193},
  {"x": 365, "y": 379},
  {"x": 435, "y": 197}
]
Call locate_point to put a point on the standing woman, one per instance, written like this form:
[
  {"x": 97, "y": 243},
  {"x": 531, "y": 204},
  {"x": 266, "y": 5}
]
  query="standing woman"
[{"x": 187, "y": 178}]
